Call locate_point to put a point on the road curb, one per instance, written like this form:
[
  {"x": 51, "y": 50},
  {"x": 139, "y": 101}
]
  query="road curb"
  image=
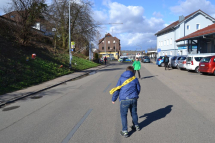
[{"x": 41, "y": 90}]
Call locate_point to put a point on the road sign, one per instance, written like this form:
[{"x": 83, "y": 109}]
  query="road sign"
[{"x": 73, "y": 45}]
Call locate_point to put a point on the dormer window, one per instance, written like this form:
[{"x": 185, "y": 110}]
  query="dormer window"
[{"x": 12, "y": 16}]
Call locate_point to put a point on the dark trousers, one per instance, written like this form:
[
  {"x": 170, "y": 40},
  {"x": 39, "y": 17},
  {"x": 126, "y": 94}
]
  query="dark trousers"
[
  {"x": 166, "y": 65},
  {"x": 125, "y": 105},
  {"x": 105, "y": 62},
  {"x": 138, "y": 72}
]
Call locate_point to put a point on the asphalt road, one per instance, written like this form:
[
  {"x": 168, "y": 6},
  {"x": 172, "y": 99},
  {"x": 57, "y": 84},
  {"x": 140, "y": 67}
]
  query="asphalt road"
[{"x": 174, "y": 107}]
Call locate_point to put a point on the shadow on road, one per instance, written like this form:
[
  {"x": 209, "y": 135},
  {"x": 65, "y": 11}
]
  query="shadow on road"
[
  {"x": 148, "y": 77},
  {"x": 153, "y": 116},
  {"x": 112, "y": 69}
]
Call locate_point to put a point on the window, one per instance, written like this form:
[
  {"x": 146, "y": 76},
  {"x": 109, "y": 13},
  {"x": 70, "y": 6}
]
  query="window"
[
  {"x": 114, "y": 41},
  {"x": 12, "y": 16},
  {"x": 103, "y": 48},
  {"x": 171, "y": 41},
  {"x": 163, "y": 53},
  {"x": 206, "y": 60},
  {"x": 198, "y": 58},
  {"x": 108, "y": 48},
  {"x": 108, "y": 42},
  {"x": 188, "y": 27},
  {"x": 167, "y": 42},
  {"x": 197, "y": 26},
  {"x": 170, "y": 52},
  {"x": 114, "y": 47},
  {"x": 103, "y": 41}
]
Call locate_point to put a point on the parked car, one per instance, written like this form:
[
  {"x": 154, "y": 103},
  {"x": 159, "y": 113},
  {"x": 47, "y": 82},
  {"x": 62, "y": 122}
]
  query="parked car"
[
  {"x": 160, "y": 62},
  {"x": 173, "y": 61},
  {"x": 207, "y": 65},
  {"x": 143, "y": 58},
  {"x": 182, "y": 62},
  {"x": 125, "y": 59},
  {"x": 146, "y": 60},
  {"x": 193, "y": 61},
  {"x": 110, "y": 58}
]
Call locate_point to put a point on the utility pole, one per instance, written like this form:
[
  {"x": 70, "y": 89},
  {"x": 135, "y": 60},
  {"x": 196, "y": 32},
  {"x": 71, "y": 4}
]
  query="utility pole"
[{"x": 70, "y": 54}]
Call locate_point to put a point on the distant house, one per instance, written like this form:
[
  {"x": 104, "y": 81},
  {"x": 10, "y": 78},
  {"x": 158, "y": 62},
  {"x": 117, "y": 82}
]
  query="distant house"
[
  {"x": 166, "y": 38},
  {"x": 109, "y": 46}
]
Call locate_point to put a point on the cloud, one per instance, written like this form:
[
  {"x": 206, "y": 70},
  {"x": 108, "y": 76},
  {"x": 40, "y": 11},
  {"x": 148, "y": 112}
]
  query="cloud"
[
  {"x": 136, "y": 28},
  {"x": 135, "y": 40},
  {"x": 157, "y": 14},
  {"x": 100, "y": 16},
  {"x": 189, "y": 6},
  {"x": 3, "y": 4}
]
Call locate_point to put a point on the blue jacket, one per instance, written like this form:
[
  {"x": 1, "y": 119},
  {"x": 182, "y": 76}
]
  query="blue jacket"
[{"x": 129, "y": 91}]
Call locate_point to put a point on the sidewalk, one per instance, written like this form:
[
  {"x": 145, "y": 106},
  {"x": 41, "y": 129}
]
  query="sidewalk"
[{"x": 11, "y": 97}]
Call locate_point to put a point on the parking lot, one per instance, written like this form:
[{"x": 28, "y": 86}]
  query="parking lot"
[{"x": 194, "y": 88}]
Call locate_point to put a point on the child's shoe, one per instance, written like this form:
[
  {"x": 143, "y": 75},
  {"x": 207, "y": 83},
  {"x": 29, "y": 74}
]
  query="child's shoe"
[
  {"x": 124, "y": 134},
  {"x": 136, "y": 127}
]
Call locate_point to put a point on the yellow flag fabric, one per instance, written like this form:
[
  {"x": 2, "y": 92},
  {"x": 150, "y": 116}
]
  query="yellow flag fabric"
[{"x": 124, "y": 83}]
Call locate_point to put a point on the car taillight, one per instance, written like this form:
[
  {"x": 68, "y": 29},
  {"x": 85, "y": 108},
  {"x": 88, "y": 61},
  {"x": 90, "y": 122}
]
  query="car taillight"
[
  {"x": 184, "y": 62},
  {"x": 159, "y": 59},
  {"x": 191, "y": 62}
]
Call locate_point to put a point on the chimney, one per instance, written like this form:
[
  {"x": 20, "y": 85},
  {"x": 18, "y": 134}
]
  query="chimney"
[{"x": 181, "y": 18}]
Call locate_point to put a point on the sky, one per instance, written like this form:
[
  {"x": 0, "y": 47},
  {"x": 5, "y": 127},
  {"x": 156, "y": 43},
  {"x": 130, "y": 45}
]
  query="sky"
[{"x": 141, "y": 18}]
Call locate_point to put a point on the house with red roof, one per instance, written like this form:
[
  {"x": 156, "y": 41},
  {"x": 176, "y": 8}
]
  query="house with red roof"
[
  {"x": 109, "y": 46},
  {"x": 166, "y": 38}
]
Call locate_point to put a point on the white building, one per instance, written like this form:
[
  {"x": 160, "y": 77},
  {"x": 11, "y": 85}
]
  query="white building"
[{"x": 184, "y": 26}]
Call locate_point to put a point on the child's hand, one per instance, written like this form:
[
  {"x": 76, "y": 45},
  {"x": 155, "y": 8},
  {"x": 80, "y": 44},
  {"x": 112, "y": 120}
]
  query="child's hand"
[{"x": 113, "y": 102}]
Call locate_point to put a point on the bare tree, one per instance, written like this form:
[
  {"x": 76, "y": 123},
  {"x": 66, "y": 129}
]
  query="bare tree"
[
  {"x": 83, "y": 27},
  {"x": 27, "y": 11}
]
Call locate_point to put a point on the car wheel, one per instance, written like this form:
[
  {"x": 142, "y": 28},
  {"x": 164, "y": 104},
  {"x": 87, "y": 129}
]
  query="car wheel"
[
  {"x": 162, "y": 64},
  {"x": 197, "y": 70},
  {"x": 214, "y": 72},
  {"x": 204, "y": 73}
]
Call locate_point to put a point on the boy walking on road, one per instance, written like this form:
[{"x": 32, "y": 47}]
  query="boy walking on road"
[
  {"x": 137, "y": 66},
  {"x": 128, "y": 89}
]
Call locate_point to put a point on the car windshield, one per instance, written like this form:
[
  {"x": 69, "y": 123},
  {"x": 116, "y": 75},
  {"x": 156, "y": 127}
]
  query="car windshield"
[
  {"x": 206, "y": 60},
  {"x": 198, "y": 58},
  {"x": 179, "y": 58},
  {"x": 183, "y": 58}
]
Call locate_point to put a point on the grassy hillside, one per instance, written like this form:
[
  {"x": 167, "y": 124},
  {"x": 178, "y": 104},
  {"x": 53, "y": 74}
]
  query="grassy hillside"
[{"x": 16, "y": 73}]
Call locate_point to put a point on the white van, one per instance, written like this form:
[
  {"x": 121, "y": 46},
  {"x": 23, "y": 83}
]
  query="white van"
[{"x": 193, "y": 60}]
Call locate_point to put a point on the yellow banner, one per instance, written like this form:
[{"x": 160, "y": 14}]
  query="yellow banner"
[{"x": 124, "y": 83}]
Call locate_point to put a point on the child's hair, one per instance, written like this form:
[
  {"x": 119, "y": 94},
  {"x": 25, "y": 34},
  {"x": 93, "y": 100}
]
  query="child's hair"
[{"x": 130, "y": 68}]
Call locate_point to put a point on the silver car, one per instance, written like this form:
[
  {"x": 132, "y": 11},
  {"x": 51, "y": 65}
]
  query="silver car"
[
  {"x": 182, "y": 62},
  {"x": 174, "y": 61}
]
